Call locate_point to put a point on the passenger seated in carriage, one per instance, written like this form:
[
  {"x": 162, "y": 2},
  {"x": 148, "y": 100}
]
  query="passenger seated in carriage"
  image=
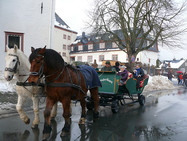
[
  {"x": 108, "y": 67},
  {"x": 124, "y": 75},
  {"x": 138, "y": 74}
]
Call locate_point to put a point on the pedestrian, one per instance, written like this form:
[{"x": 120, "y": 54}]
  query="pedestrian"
[
  {"x": 138, "y": 74},
  {"x": 185, "y": 79},
  {"x": 170, "y": 75},
  {"x": 180, "y": 78}
]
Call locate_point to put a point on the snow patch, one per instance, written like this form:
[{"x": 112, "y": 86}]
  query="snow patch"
[
  {"x": 158, "y": 83},
  {"x": 7, "y": 86}
]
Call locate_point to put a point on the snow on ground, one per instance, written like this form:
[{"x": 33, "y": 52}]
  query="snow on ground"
[
  {"x": 158, "y": 83},
  {"x": 6, "y": 86}
]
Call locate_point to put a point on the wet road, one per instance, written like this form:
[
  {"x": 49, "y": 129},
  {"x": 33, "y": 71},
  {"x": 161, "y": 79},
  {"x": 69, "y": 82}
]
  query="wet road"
[{"x": 163, "y": 118}]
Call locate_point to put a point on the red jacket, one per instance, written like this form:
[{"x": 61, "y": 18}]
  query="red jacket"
[{"x": 180, "y": 76}]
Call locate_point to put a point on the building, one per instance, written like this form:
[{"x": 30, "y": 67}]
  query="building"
[
  {"x": 29, "y": 23},
  {"x": 88, "y": 48},
  {"x": 63, "y": 38},
  {"x": 175, "y": 65}
]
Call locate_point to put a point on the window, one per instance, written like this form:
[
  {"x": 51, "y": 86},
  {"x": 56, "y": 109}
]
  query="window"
[
  {"x": 64, "y": 36},
  {"x": 79, "y": 58},
  {"x": 115, "y": 57},
  {"x": 101, "y": 57},
  {"x": 72, "y": 58},
  {"x": 69, "y": 47},
  {"x": 137, "y": 59},
  {"x": 102, "y": 45},
  {"x": 89, "y": 59},
  {"x": 90, "y": 46},
  {"x": 64, "y": 54},
  {"x": 64, "y": 47},
  {"x": 12, "y": 38},
  {"x": 114, "y": 45},
  {"x": 69, "y": 38},
  {"x": 80, "y": 47}
]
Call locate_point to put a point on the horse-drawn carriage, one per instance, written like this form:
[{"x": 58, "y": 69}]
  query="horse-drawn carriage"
[{"x": 112, "y": 94}]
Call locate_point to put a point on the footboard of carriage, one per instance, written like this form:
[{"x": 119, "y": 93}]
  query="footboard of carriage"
[{"x": 114, "y": 95}]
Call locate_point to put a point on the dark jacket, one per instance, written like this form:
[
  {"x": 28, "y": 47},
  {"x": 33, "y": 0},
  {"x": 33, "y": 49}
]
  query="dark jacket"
[
  {"x": 117, "y": 68},
  {"x": 140, "y": 73},
  {"x": 124, "y": 75}
]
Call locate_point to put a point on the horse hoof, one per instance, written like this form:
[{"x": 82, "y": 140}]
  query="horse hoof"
[
  {"x": 82, "y": 121},
  {"x": 34, "y": 126},
  {"x": 52, "y": 118},
  {"x": 96, "y": 115},
  {"x": 45, "y": 137},
  {"x": 27, "y": 121},
  {"x": 64, "y": 134}
]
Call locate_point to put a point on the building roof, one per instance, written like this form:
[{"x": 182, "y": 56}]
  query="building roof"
[
  {"x": 175, "y": 64},
  {"x": 60, "y": 22},
  {"x": 106, "y": 37}
]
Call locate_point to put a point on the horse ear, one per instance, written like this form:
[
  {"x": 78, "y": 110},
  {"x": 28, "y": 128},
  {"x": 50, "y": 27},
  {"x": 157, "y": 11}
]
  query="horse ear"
[
  {"x": 15, "y": 48},
  {"x": 7, "y": 48},
  {"x": 32, "y": 49},
  {"x": 42, "y": 51}
]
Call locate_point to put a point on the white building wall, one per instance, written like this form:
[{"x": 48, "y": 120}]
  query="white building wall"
[
  {"x": 24, "y": 16},
  {"x": 59, "y": 41},
  {"x": 122, "y": 56},
  {"x": 145, "y": 56}
]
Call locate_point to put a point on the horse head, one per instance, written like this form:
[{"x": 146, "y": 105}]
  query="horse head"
[
  {"x": 12, "y": 62},
  {"x": 37, "y": 62}
]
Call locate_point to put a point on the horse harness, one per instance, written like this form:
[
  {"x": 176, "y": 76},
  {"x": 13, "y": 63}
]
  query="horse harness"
[
  {"x": 52, "y": 83},
  {"x": 14, "y": 69},
  {"x": 16, "y": 65}
]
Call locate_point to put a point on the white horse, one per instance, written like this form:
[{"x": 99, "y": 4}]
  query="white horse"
[{"x": 17, "y": 64}]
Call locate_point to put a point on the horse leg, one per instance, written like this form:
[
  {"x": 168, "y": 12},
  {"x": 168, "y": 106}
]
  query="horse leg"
[
  {"x": 47, "y": 127},
  {"x": 54, "y": 111},
  {"x": 66, "y": 114},
  {"x": 83, "y": 114},
  {"x": 36, "y": 121},
  {"x": 95, "y": 97},
  {"x": 22, "y": 114}
]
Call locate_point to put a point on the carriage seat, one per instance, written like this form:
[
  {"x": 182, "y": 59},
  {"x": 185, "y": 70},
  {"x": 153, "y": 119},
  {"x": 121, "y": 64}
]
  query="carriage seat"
[{"x": 142, "y": 82}]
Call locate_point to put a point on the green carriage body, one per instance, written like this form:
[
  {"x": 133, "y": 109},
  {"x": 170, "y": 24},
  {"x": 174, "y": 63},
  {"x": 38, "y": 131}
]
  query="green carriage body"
[{"x": 110, "y": 84}]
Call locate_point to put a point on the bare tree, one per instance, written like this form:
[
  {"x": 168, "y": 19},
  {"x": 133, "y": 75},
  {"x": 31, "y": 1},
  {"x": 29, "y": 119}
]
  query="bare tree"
[{"x": 139, "y": 21}]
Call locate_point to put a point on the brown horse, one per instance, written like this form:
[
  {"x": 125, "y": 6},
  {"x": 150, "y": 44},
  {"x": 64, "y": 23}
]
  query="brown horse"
[{"x": 63, "y": 83}]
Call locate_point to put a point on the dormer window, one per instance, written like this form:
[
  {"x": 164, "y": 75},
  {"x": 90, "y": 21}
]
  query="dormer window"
[
  {"x": 102, "y": 45},
  {"x": 80, "y": 47},
  {"x": 90, "y": 46}
]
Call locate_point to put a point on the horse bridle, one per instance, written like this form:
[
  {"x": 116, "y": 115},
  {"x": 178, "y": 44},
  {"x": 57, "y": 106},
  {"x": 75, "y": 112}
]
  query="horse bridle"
[
  {"x": 41, "y": 70},
  {"x": 14, "y": 69}
]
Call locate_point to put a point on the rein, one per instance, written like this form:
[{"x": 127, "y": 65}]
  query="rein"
[
  {"x": 16, "y": 65},
  {"x": 52, "y": 83}
]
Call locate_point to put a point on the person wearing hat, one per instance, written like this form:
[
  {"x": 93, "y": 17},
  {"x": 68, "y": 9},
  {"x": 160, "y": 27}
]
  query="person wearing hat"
[
  {"x": 117, "y": 66},
  {"x": 108, "y": 67}
]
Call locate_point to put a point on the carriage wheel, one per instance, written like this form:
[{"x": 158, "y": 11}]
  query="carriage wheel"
[
  {"x": 115, "y": 106},
  {"x": 141, "y": 100}
]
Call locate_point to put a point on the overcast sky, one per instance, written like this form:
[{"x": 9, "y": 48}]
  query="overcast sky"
[{"x": 75, "y": 14}]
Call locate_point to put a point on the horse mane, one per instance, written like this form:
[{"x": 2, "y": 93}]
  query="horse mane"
[{"x": 53, "y": 59}]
